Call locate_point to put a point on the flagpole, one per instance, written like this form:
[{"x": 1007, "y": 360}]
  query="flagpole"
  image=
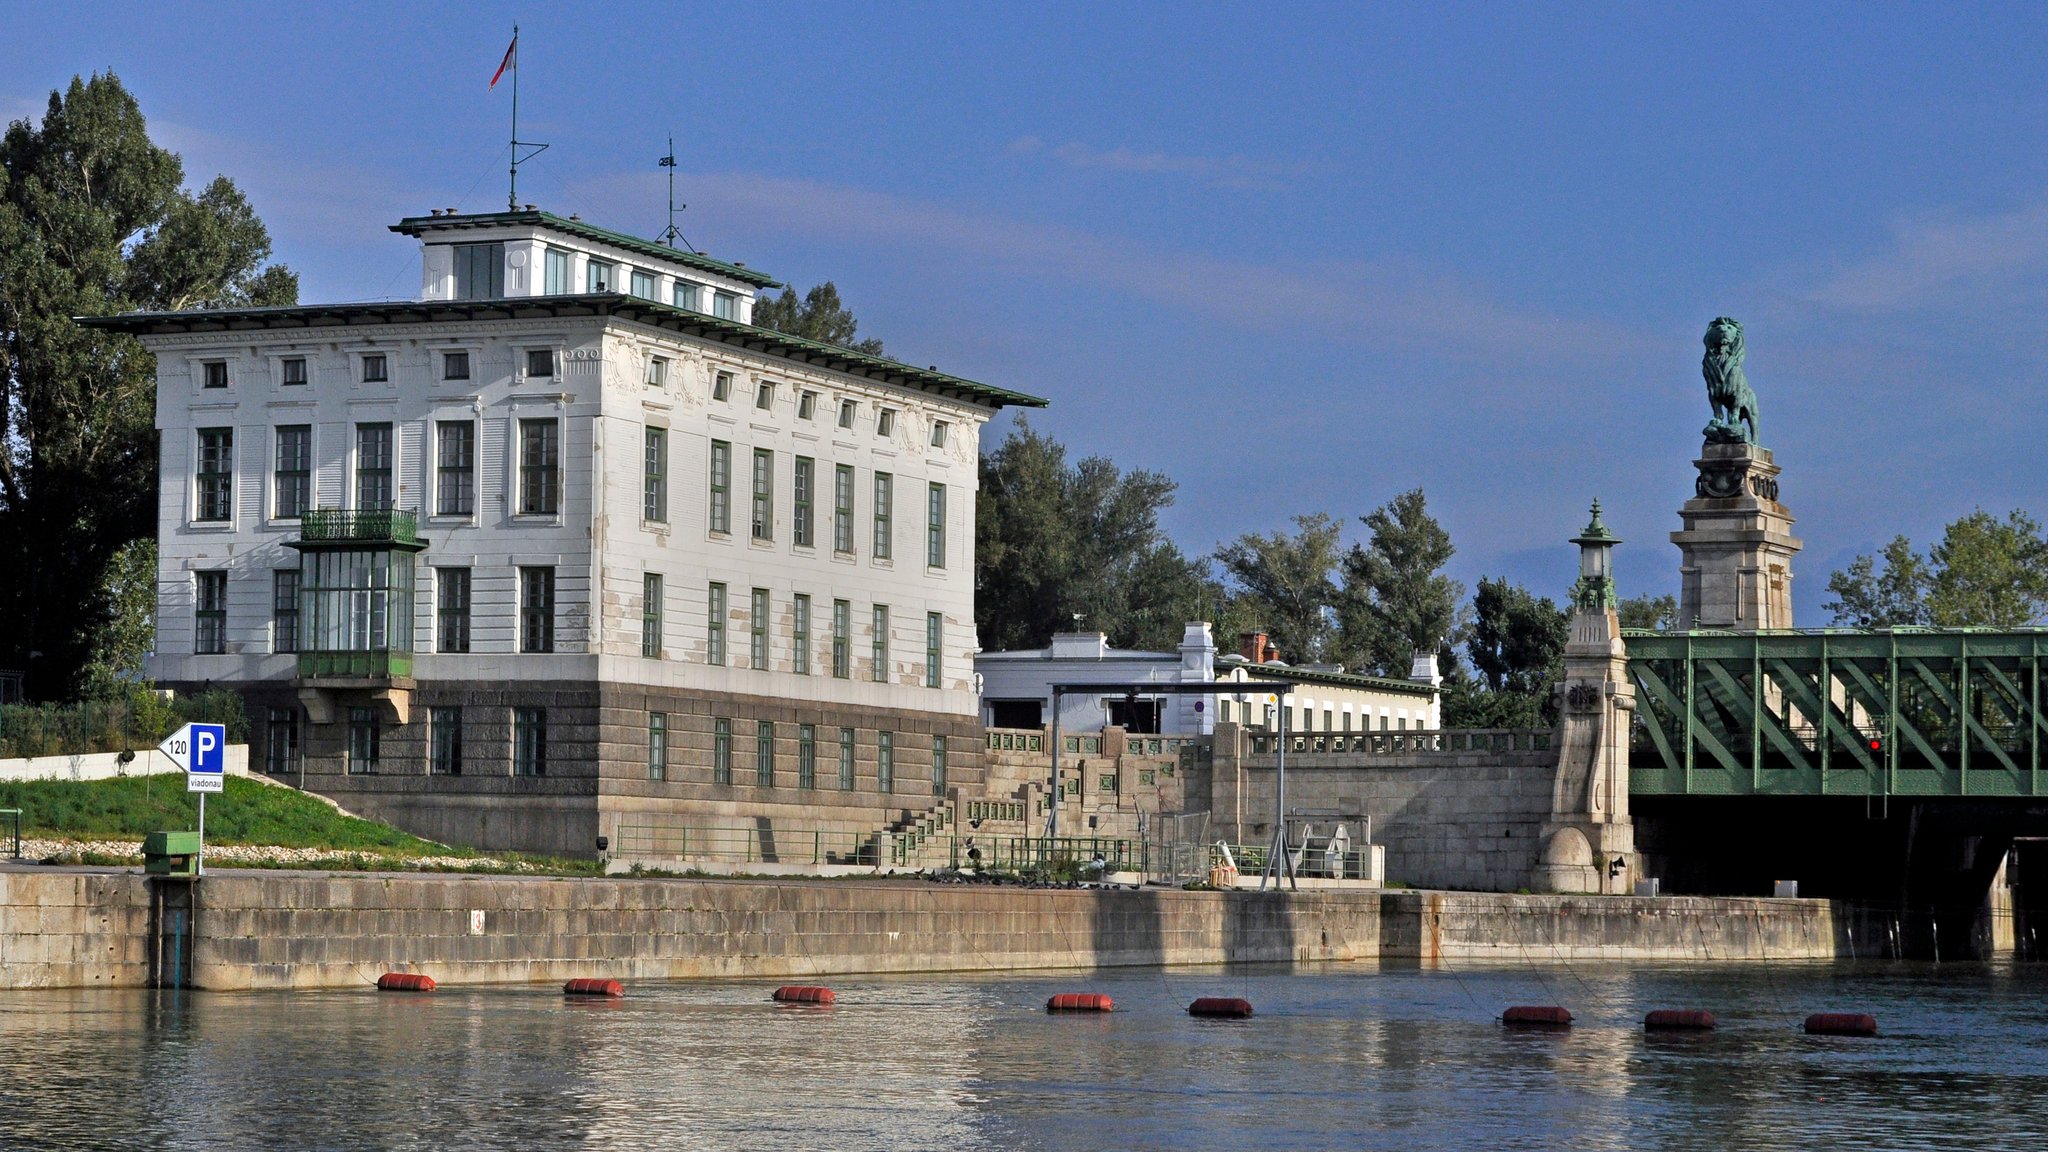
[{"x": 512, "y": 198}]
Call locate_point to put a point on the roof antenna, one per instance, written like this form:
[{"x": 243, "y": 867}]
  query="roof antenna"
[
  {"x": 671, "y": 234},
  {"x": 511, "y": 63}
]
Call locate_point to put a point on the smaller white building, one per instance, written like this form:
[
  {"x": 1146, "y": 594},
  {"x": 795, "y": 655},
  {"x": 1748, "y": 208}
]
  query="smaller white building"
[{"x": 1016, "y": 689}]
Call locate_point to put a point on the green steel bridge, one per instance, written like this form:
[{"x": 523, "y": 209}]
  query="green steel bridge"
[{"x": 1904, "y": 712}]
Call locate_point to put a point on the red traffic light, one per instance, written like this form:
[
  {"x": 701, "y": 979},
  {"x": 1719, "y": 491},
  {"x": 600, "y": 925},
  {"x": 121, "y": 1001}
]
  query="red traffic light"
[{"x": 1876, "y": 745}]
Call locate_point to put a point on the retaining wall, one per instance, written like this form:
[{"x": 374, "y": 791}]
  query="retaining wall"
[
  {"x": 307, "y": 930},
  {"x": 107, "y": 765}
]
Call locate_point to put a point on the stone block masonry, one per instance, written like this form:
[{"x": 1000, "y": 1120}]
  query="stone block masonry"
[{"x": 73, "y": 929}]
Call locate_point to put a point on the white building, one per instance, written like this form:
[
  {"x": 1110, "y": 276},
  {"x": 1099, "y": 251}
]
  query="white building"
[{"x": 566, "y": 540}]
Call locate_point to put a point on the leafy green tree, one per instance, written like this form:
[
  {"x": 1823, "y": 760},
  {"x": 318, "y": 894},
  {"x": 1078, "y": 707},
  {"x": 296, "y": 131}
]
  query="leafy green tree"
[
  {"x": 1517, "y": 640},
  {"x": 127, "y": 610},
  {"x": 1654, "y": 613},
  {"x": 1060, "y": 547},
  {"x": 1985, "y": 572},
  {"x": 818, "y": 316},
  {"x": 93, "y": 219},
  {"x": 1285, "y": 583},
  {"x": 1396, "y": 601}
]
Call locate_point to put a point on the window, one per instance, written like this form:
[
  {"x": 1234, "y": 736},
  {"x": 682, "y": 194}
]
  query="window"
[
  {"x": 479, "y": 271},
  {"x": 846, "y": 759},
  {"x": 880, "y": 644},
  {"x": 215, "y": 374},
  {"x": 600, "y": 276},
  {"x": 800, "y": 628},
  {"x": 803, "y": 482},
  {"x": 721, "y": 751},
  {"x": 846, "y": 413},
  {"x": 210, "y": 616},
  {"x": 842, "y": 639},
  {"x": 885, "y": 515},
  {"x": 444, "y": 741},
  {"x": 721, "y": 486},
  {"x": 292, "y": 482},
  {"x": 540, "y": 467},
  {"x": 721, "y": 386},
  {"x": 555, "y": 272},
  {"x": 885, "y": 761},
  {"x": 938, "y": 765},
  {"x": 540, "y": 363},
  {"x": 807, "y": 406},
  {"x": 293, "y": 371},
  {"x": 935, "y": 526},
  {"x": 764, "y": 494},
  {"x": 650, "y": 615},
  {"x": 689, "y": 296},
  {"x": 451, "y": 609},
  {"x": 657, "y": 371},
  {"x": 646, "y": 285},
  {"x": 714, "y": 626},
  {"x": 216, "y": 475},
  {"x": 939, "y": 428},
  {"x": 842, "y": 508},
  {"x": 764, "y": 396},
  {"x": 657, "y": 745},
  {"x": 764, "y": 754},
  {"x": 375, "y": 370},
  {"x": 529, "y": 742},
  {"x": 757, "y": 638},
  {"x": 934, "y": 648},
  {"x": 454, "y": 365},
  {"x": 807, "y": 756},
  {"x": 654, "y": 477},
  {"x": 373, "y": 467},
  {"x": 455, "y": 468},
  {"x": 725, "y": 306},
  {"x": 885, "y": 423},
  {"x": 363, "y": 741},
  {"x": 281, "y": 751},
  {"x": 284, "y": 610},
  {"x": 536, "y": 609}
]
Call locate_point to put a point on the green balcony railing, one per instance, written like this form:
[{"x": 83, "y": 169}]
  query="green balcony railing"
[
  {"x": 388, "y": 525},
  {"x": 382, "y": 665}
]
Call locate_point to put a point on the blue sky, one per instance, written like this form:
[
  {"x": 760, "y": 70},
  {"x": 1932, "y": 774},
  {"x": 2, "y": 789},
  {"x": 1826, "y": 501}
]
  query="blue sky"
[{"x": 1298, "y": 257}]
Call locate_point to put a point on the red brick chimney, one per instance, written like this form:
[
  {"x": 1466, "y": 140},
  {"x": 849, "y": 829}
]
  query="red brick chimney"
[{"x": 1253, "y": 647}]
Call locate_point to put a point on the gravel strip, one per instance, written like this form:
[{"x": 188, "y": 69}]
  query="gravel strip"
[{"x": 33, "y": 848}]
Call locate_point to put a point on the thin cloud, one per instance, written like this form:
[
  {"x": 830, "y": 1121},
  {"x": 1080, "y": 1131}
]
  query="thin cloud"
[
  {"x": 1383, "y": 304},
  {"x": 1238, "y": 172},
  {"x": 1929, "y": 260}
]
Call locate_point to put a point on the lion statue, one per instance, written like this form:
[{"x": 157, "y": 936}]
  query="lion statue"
[{"x": 1735, "y": 418}]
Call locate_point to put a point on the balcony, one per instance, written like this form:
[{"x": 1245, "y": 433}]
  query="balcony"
[
  {"x": 381, "y": 665},
  {"x": 360, "y": 525}
]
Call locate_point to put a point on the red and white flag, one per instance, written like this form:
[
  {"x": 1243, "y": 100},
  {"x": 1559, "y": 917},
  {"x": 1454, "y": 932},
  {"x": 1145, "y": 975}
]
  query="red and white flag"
[{"x": 510, "y": 60}]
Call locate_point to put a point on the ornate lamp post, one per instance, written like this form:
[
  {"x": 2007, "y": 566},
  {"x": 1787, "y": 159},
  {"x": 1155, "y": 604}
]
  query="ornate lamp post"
[{"x": 1595, "y": 589}]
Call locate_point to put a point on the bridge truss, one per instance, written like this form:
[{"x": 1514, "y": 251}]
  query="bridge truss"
[{"x": 1839, "y": 712}]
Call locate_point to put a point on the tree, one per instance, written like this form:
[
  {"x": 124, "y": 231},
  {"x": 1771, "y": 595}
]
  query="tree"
[
  {"x": 1653, "y": 613},
  {"x": 1396, "y": 600},
  {"x": 127, "y": 608},
  {"x": 818, "y": 316},
  {"x": 1986, "y": 572},
  {"x": 1517, "y": 648},
  {"x": 93, "y": 219},
  {"x": 1060, "y": 547},
  {"x": 1286, "y": 583}
]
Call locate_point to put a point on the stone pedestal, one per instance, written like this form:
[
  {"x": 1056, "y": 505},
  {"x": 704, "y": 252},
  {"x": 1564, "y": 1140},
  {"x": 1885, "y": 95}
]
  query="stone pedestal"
[
  {"x": 1589, "y": 825},
  {"x": 1736, "y": 549}
]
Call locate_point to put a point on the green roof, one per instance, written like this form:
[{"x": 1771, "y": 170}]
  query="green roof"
[
  {"x": 1304, "y": 675},
  {"x": 745, "y": 336},
  {"x": 419, "y": 225}
]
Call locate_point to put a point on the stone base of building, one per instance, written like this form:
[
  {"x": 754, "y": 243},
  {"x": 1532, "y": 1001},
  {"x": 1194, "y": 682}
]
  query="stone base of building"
[
  {"x": 1586, "y": 858},
  {"x": 1736, "y": 549}
]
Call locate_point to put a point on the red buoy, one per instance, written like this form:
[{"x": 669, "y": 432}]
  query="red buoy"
[
  {"x": 1679, "y": 1020},
  {"x": 1841, "y": 1024},
  {"x": 1536, "y": 1016},
  {"x": 1228, "y": 1007},
  {"x": 803, "y": 994},
  {"x": 405, "y": 982},
  {"x": 586, "y": 987},
  {"x": 1080, "y": 1002}
]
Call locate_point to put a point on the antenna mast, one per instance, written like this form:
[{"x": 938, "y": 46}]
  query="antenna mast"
[
  {"x": 512, "y": 60},
  {"x": 671, "y": 234}
]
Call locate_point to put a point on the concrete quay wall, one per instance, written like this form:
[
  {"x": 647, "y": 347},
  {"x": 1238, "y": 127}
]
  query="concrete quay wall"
[{"x": 306, "y": 930}]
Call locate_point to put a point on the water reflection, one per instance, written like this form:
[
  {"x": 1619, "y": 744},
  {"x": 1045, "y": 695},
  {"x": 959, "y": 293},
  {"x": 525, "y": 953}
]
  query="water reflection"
[{"x": 1338, "y": 1056}]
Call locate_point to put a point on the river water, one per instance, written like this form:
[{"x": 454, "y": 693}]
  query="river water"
[{"x": 1338, "y": 1056}]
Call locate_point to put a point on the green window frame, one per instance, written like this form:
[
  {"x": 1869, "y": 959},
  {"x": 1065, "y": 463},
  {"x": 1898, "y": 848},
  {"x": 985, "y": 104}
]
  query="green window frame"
[
  {"x": 885, "y": 762},
  {"x": 807, "y": 756},
  {"x": 878, "y": 644},
  {"x": 721, "y": 486},
  {"x": 842, "y": 639},
  {"x": 764, "y": 753},
  {"x": 757, "y": 630},
  {"x": 721, "y": 750},
  {"x": 846, "y": 759},
  {"x": 714, "y": 625},
  {"x": 650, "y": 615},
  {"x": 800, "y": 634}
]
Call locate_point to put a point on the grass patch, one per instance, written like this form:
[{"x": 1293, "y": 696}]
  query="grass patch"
[{"x": 247, "y": 813}]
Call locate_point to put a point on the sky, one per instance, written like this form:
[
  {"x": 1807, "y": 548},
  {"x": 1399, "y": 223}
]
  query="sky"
[{"x": 1297, "y": 257}]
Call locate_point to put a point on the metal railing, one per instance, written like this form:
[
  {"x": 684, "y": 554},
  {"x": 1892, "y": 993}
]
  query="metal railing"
[
  {"x": 15, "y": 852},
  {"x": 1407, "y": 743},
  {"x": 396, "y": 525}
]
